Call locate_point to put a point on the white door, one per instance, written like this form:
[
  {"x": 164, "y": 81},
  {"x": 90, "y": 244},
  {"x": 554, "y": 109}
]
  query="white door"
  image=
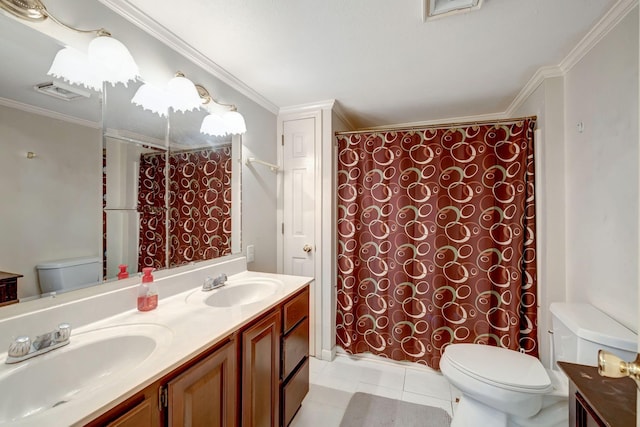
[
  {"x": 299, "y": 196},
  {"x": 299, "y": 210}
]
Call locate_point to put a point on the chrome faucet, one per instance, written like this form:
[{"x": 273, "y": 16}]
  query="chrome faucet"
[
  {"x": 22, "y": 348},
  {"x": 210, "y": 283}
]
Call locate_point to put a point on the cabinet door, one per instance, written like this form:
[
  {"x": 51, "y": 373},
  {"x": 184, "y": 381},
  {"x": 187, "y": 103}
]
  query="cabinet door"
[
  {"x": 139, "y": 416},
  {"x": 260, "y": 373},
  {"x": 205, "y": 394}
]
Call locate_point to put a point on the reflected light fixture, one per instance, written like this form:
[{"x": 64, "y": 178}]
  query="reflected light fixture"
[
  {"x": 183, "y": 94},
  {"x": 180, "y": 94},
  {"x": 106, "y": 60},
  {"x": 229, "y": 123}
]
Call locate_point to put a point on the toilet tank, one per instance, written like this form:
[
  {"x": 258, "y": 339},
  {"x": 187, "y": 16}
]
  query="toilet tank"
[
  {"x": 580, "y": 330},
  {"x": 69, "y": 274}
]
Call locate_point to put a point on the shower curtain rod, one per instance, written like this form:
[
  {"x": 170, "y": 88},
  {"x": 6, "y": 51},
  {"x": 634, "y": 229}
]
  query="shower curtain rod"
[{"x": 435, "y": 126}]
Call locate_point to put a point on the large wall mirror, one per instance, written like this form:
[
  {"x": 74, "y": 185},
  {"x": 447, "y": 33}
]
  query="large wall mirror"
[{"x": 99, "y": 177}]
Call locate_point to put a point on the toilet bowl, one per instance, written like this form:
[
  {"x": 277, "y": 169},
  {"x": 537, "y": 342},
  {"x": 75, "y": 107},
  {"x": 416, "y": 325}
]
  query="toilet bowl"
[
  {"x": 496, "y": 384},
  {"x": 502, "y": 387}
]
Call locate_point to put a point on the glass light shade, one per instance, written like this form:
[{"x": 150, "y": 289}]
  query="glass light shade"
[
  {"x": 113, "y": 60},
  {"x": 234, "y": 122},
  {"x": 74, "y": 67},
  {"x": 183, "y": 95},
  {"x": 214, "y": 125},
  {"x": 151, "y": 98}
]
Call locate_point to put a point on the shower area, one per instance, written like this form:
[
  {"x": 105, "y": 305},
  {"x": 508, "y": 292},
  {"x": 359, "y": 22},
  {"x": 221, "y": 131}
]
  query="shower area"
[{"x": 436, "y": 240}]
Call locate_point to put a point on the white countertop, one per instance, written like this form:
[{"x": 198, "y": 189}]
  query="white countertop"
[{"x": 193, "y": 326}]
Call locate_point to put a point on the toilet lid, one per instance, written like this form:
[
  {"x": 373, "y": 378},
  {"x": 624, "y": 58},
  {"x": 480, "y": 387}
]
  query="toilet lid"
[{"x": 499, "y": 366}]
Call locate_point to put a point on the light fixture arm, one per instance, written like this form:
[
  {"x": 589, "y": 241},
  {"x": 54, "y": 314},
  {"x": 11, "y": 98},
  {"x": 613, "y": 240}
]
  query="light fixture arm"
[
  {"x": 207, "y": 98},
  {"x": 35, "y": 10}
]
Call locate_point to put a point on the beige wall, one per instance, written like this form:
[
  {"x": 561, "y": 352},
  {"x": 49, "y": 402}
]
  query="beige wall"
[
  {"x": 51, "y": 204},
  {"x": 602, "y": 175},
  {"x": 587, "y": 183}
]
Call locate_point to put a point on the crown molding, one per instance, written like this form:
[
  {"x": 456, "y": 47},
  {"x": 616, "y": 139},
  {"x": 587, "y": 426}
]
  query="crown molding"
[
  {"x": 607, "y": 23},
  {"x": 311, "y": 106},
  {"x": 342, "y": 115},
  {"x": 134, "y": 15},
  {"x": 49, "y": 113},
  {"x": 536, "y": 80}
]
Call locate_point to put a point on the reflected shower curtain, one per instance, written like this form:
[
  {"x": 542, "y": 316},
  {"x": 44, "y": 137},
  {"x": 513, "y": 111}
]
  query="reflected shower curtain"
[
  {"x": 436, "y": 240},
  {"x": 199, "y": 215}
]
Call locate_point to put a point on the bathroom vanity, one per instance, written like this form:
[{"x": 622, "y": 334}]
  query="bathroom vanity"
[
  {"x": 599, "y": 401},
  {"x": 260, "y": 372},
  {"x": 238, "y": 355}
]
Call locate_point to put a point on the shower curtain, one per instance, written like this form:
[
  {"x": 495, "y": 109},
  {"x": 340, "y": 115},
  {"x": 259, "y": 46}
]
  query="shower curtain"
[
  {"x": 436, "y": 240},
  {"x": 199, "y": 216}
]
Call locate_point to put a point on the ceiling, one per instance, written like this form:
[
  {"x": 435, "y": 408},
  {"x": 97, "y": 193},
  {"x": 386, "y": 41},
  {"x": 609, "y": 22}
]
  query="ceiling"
[{"x": 377, "y": 58}]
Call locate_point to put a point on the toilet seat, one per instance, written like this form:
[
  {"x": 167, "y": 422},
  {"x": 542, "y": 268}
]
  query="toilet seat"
[{"x": 499, "y": 367}]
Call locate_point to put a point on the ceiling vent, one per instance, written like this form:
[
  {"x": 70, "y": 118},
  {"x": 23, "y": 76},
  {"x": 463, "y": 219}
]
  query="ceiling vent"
[
  {"x": 61, "y": 91},
  {"x": 439, "y": 8}
]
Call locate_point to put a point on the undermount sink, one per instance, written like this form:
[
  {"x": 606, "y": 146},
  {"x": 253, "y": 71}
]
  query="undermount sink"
[
  {"x": 91, "y": 360},
  {"x": 237, "y": 292}
]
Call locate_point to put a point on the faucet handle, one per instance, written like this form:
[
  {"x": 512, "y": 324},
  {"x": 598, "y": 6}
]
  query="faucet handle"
[
  {"x": 19, "y": 347},
  {"x": 222, "y": 278},
  {"x": 62, "y": 333},
  {"x": 208, "y": 283}
]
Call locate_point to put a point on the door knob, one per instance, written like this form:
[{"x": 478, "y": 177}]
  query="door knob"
[{"x": 307, "y": 248}]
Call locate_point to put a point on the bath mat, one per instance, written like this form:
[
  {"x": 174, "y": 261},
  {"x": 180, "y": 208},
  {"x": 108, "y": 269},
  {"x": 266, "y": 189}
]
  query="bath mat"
[{"x": 367, "y": 410}]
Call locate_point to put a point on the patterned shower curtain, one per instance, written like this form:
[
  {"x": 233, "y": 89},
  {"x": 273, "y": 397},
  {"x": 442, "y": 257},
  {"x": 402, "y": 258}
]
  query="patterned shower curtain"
[
  {"x": 436, "y": 240},
  {"x": 199, "y": 216}
]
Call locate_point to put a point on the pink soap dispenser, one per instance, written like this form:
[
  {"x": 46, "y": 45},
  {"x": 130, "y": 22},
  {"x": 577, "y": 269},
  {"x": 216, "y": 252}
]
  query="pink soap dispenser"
[
  {"x": 147, "y": 291},
  {"x": 123, "y": 274}
]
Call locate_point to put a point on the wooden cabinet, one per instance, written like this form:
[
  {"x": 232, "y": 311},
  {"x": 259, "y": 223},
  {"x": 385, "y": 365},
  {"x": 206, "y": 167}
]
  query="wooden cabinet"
[
  {"x": 140, "y": 415},
  {"x": 8, "y": 288},
  {"x": 205, "y": 394},
  {"x": 261, "y": 372},
  {"x": 295, "y": 355},
  {"x": 599, "y": 401},
  {"x": 140, "y": 410},
  {"x": 256, "y": 377}
]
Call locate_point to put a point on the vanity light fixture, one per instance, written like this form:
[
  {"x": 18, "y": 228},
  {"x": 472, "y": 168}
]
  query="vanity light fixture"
[
  {"x": 106, "y": 60},
  {"x": 180, "y": 95},
  {"x": 229, "y": 123}
]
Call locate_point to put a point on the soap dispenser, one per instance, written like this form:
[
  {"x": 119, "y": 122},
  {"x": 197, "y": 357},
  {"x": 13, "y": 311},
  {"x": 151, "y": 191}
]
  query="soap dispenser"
[
  {"x": 147, "y": 292},
  {"x": 123, "y": 274}
]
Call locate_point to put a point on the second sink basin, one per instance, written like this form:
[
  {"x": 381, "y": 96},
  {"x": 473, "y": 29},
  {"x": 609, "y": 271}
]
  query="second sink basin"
[
  {"x": 91, "y": 360},
  {"x": 238, "y": 292}
]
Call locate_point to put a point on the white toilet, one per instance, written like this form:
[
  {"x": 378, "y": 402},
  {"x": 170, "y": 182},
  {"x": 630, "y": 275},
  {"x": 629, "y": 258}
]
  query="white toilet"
[
  {"x": 502, "y": 387},
  {"x": 69, "y": 274}
]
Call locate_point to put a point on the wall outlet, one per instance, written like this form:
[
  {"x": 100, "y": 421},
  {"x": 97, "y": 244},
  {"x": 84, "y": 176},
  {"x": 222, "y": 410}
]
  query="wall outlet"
[{"x": 251, "y": 253}]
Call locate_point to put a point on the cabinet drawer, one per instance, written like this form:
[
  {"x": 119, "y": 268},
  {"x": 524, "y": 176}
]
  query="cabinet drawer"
[
  {"x": 296, "y": 310},
  {"x": 295, "y": 346},
  {"x": 294, "y": 392}
]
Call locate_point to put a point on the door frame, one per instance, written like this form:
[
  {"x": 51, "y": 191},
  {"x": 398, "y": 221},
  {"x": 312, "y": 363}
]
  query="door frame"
[{"x": 315, "y": 303}]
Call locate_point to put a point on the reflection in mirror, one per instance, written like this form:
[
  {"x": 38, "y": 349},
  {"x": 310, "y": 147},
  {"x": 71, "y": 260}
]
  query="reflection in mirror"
[
  {"x": 128, "y": 200},
  {"x": 165, "y": 216},
  {"x": 202, "y": 195},
  {"x": 134, "y": 196},
  {"x": 56, "y": 203},
  {"x": 51, "y": 199}
]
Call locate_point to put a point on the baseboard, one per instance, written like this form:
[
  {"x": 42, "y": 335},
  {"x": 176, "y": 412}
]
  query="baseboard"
[{"x": 329, "y": 355}]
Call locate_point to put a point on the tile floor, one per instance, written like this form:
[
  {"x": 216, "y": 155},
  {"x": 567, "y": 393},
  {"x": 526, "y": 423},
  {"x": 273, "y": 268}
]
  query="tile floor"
[{"x": 333, "y": 383}]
